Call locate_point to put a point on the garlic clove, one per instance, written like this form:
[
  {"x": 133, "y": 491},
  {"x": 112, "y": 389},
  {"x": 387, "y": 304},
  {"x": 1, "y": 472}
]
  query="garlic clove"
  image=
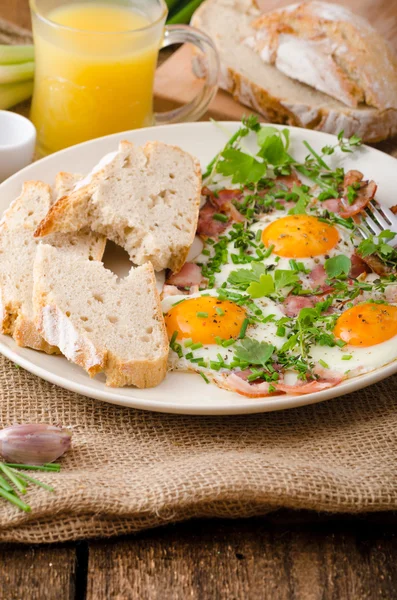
[{"x": 34, "y": 443}]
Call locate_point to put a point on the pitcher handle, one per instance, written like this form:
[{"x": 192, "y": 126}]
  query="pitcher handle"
[{"x": 193, "y": 110}]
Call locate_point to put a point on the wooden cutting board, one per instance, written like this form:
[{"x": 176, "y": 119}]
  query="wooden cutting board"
[{"x": 176, "y": 84}]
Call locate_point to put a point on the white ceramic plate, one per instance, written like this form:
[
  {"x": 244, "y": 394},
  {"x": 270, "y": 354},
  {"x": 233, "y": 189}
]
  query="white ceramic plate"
[{"x": 183, "y": 392}]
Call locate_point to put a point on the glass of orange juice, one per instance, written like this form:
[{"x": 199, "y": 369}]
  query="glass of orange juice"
[{"x": 95, "y": 66}]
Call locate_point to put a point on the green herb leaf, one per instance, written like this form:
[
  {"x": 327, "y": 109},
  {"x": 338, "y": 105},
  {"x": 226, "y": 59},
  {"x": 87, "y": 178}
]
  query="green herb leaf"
[
  {"x": 303, "y": 200},
  {"x": 337, "y": 265},
  {"x": 387, "y": 235},
  {"x": 264, "y": 133},
  {"x": 243, "y": 277},
  {"x": 241, "y": 167},
  {"x": 264, "y": 287},
  {"x": 367, "y": 247},
  {"x": 254, "y": 352},
  {"x": 284, "y": 278},
  {"x": 352, "y": 193},
  {"x": 377, "y": 245},
  {"x": 273, "y": 151}
]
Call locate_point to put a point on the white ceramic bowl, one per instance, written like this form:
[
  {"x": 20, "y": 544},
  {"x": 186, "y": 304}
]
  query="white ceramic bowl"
[{"x": 17, "y": 142}]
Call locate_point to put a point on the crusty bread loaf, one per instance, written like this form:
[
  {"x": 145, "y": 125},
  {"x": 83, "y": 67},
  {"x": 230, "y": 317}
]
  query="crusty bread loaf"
[
  {"x": 146, "y": 199},
  {"x": 17, "y": 251},
  {"x": 98, "y": 322},
  {"x": 279, "y": 98},
  {"x": 331, "y": 49}
]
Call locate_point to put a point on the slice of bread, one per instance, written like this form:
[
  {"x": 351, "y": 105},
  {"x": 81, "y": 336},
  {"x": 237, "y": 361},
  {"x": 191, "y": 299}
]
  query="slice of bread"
[
  {"x": 17, "y": 252},
  {"x": 331, "y": 49},
  {"x": 65, "y": 182},
  {"x": 146, "y": 199},
  {"x": 99, "y": 322},
  {"x": 279, "y": 98}
]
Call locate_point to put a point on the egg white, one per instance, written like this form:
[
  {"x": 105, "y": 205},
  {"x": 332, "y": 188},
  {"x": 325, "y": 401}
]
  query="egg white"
[
  {"x": 344, "y": 246},
  {"x": 363, "y": 360},
  {"x": 262, "y": 332}
]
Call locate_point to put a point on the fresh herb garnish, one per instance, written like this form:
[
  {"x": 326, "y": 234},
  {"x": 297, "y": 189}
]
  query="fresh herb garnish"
[
  {"x": 241, "y": 167},
  {"x": 302, "y": 191},
  {"x": 337, "y": 265},
  {"x": 254, "y": 352},
  {"x": 378, "y": 245},
  {"x": 263, "y": 287},
  {"x": 242, "y": 278},
  {"x": 284, "y": 278}
]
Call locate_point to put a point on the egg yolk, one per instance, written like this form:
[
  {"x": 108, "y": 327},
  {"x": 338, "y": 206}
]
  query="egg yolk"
[
  {"x": 367, "y": 324},
  {"x": 300, "y": 236},
  {"x": 202, "y": 319}
]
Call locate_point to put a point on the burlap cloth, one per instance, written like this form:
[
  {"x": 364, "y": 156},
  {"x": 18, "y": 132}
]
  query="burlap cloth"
[{"x": 129, "y": 470}]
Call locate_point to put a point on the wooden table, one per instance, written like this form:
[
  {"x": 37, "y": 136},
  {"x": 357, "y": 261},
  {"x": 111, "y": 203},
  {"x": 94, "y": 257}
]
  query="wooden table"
[{"x": 286, "y": 555}]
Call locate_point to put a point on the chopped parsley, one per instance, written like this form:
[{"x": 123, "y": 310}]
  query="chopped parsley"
[
  {"x": 254, "y": 352},
  {"x": 337, "y": 266},
  {"x": 380, "y": 247}
]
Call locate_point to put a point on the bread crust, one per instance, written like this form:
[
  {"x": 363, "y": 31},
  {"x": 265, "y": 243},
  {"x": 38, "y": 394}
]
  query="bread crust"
[
  {"x": 362, "y": 65},
  {"x": 71, "y": 212},
  {"x": 20, "y": 219},
  {"x": 371, "y": 124},
  {"x": 58, "y": 329}
]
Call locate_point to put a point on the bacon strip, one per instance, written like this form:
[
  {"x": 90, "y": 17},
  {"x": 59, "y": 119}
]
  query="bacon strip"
[
  {"x": 292, "y": 305},
  {"x": 310, "y": 387},
  {"x": 222, "y": 202},
  {"x": 318, "y": 278},
  {"x": 223, "y": 198},
  {"x": 365, "y": 194},
  {"x": 235, "y": 383},
  {"x": 288, "y": 180},
  {"x": 358, "y": 266},
  {"x": 189, "y": 275},
  {"x": 207, "y": 225},
  {"x": 332, "y": 204},
  {"x": 377, "y": 266}
]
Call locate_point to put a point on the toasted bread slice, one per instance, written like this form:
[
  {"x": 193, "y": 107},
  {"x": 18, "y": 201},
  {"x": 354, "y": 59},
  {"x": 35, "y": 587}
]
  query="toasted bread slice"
[
  {"x": 65, "y": 182},
  {"x": 17, "y": 251},
  {"x": 99, "y": 322},
  {"x": 146, "y": 199}
]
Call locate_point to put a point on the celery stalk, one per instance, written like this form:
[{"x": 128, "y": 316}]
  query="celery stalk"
[
  {"x": 13, "y": 93},
  {"x": 16, "y": 73},
  {"x": 10, "y": 55},
  {"x": 171, "y": 3},
  {"x": 184, "y": 14}
]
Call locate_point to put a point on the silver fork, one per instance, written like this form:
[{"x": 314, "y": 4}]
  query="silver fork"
[{"x": 377, "y": 219}]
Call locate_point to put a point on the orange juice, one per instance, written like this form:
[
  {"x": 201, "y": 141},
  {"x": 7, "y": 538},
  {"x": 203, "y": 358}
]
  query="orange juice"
[{"x": 95, "y": 66}]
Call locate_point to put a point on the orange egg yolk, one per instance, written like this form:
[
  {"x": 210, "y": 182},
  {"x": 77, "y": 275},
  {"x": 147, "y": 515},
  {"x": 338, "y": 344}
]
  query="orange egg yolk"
[
  {"x": 300, "y": 236},
  {"x": 202, "y": 319},
  {"x": 367, "y": 324}
]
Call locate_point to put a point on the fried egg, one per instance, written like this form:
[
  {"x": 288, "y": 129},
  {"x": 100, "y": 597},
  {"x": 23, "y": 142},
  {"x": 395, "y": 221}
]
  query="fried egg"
[
  {"x": 369, "y": 331},
  {"x": 302, "y": 237},
  {"x": 201, "y": 320}
]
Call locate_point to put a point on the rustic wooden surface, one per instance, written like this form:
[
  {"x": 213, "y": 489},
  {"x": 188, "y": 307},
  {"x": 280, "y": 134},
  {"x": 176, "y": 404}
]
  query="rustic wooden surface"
[{"x": 285, "y": 556}]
